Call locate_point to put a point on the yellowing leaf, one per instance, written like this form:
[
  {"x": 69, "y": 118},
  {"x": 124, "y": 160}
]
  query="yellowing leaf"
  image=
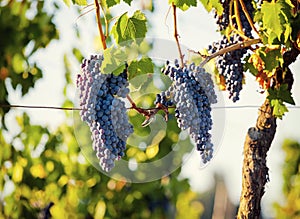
[
  {"x": 271, "y": 73},
  {"x": 257, "y": 62}
]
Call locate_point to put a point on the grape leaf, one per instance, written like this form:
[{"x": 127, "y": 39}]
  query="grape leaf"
[
  {"x": 281, "y": 93},
  {"x": 210, "y": 4},
  {"x": 278, "y": 108},
  {"x": 249, "y": 66},
  {"x": 114, "y": 61},
  {"x": 184, "y": 4},
  {"x": 110, "y": 3},
  {"x": 128, "y": 1},
  {"x": 275, "y": 18},
  {"x": 139, "y": 67},
  {"x": 271, "y": 57},
  {"x": 285, "y": 94},
  {"x": 129, "y": 28},
  {"x": 278, "y": 97}
]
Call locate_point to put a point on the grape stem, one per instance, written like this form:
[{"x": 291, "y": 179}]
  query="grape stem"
[
  {"x": 248, "y": 16},
  {"x": 239, "y": 30},
  {"x": 237, "y": 16},
  {"x": 148, "y": 113},
  {"x": 98, "y": 17},
  {"x": 176, "y": 35},
  {"x": 229, "y": 49},
  {"x": 86, "y": 12}
]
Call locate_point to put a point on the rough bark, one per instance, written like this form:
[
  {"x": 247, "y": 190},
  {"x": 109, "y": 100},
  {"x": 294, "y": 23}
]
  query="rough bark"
[
  {"x": 255, "y": 170},
  {"x": 257, "y": 144}
]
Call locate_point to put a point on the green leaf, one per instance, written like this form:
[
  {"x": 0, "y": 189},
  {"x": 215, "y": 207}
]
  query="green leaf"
[
  {"x": 282, "y": 93},
  {"x": 110, "y": 3},
  {"x": 129, "y": 28},
  {"x": 272, "y": 58},
  {"x": 275, "y": 18},
  {"x": 184, "y": 4},
  {"x": 278, "y": 97},
  {"x": 210, "y": 4},
  {"x": 285, "y": 95},
  {"x": 249, "y": 66},
  {"x": 128, "y": 1},
  {"x": 114, "y": 61},
  {"x": 139, "y": 67},
  {"x": 80, "y": 2},
  {"x": 278, "y": 108},
  {"x": 271, "y": 18}
]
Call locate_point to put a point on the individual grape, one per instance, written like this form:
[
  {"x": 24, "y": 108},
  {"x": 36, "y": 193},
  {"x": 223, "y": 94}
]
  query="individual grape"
[
  {"x": 192, "y": 92},
  {"x": 101, "y": 109}
]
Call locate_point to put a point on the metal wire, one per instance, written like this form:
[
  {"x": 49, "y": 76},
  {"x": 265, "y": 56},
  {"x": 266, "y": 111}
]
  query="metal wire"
[{"x": 74, "y": 108}]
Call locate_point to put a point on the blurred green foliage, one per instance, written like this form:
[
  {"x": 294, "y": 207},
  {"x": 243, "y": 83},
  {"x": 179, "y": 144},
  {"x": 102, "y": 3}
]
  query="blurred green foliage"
[
  {"x": 41, "y": 169},
  {"x": 290, "y": 209},
  {"x": 25, "y": 27}
]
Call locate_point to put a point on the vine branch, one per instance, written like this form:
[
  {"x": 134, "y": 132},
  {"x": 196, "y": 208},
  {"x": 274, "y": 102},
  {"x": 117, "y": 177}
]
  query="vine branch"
[
  {"x": 98, "y": 17},
  {"x": 176, "y": 35},
  {"x": 229, "y": 49}
]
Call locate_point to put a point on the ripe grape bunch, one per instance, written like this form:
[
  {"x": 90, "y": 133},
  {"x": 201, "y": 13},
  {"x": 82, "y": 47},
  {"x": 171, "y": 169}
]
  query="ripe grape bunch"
[
  {"x": 192, "y": 92},
  {"x": 230, "y": 64},
  {"x": 103, "y": 111}
]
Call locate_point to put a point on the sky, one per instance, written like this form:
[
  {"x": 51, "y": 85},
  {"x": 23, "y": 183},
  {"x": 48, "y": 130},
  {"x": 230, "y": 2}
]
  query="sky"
[{"x": 197, "y": 29}]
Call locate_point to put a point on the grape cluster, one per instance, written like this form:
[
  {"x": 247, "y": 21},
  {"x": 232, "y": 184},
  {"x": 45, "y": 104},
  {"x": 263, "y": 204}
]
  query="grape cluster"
[
  {"x": 223, "y": 19},
  {"x": 246, "y": 26},
  {"x": 192, "y": 92},
  {"x": 230, "y": 65},
  {"x": 103, "y": 111}
]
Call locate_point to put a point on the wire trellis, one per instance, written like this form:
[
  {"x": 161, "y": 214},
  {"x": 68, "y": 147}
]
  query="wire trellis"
[{"x": 75, "y": 108}]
